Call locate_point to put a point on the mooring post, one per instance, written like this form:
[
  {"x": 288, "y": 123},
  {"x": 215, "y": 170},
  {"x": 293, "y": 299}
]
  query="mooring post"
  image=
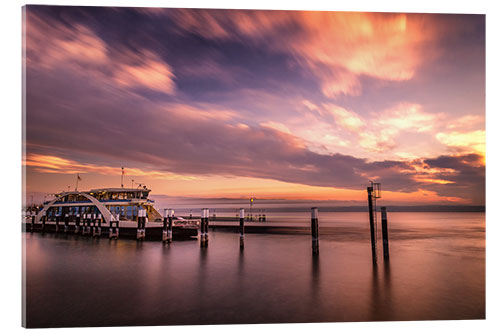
[
  {"x": 57, "y": 222},
  {"x": 242, "y": 227},
  {"x": 89, "y": 221},
  {"x": 204, "y": 227},
  {"x": 139, "y": 219},
  {"x": 165, "y": 225},
  {"x": 369, "y": 189},
  {"x": 385, "y": 232},
  {"x": 94, "y": 224},
  {"x": 84, "y": 224},
  {"x": 85, "y": 227},
  {"x": 315, "y": 230},
  {"x": 117, "y": 224},
  {"x": 33, "y": 217},
  {"x": 170, "y": 224},
  {"x": 77, "y": 223},
  {"x": 114, "y": 226},
  {"x": 44, "y": 219},
  {"x": 99, "y": 222},
  {"x": 66, "y": 223},
  {"x": 141, "y": 224},
  {"x": 110, "y": 230}
]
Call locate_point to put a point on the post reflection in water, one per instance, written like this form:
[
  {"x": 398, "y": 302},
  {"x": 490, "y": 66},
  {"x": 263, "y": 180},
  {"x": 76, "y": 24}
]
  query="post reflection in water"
[
  {"x": 381, "y": 306},
  {"x": 315, "y": 280},
  {"x": 375, "y": 299}
]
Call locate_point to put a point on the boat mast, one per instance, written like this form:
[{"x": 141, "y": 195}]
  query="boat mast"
[
  {"x": 77, "y": 179},
  {"x": 122, "y": 176}
]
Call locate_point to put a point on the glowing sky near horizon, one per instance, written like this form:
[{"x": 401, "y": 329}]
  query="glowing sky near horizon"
[{"x": 271, "y": 104}]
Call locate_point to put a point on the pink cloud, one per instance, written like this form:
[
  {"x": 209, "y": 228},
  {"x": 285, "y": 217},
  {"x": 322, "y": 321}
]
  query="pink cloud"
[
  {"x": 151, "y": 72},
  {"x": 338, "y": 47},
  {"x": 344, "y": 118},
  {"x": 54, "y": 45}
]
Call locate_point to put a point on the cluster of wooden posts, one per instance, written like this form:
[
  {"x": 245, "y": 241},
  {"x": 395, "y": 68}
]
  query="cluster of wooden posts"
[
  {"x": 86, "y": 224},
  {"x": 373, "y": 194}
]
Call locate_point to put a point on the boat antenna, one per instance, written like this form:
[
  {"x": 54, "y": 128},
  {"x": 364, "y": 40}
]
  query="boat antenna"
[{"x": 122, "y": 176}]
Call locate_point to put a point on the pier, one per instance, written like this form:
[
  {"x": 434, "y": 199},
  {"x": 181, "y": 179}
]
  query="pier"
[{"x": 168, "y": 227}]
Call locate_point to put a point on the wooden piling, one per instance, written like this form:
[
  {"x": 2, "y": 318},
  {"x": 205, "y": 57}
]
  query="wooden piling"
[
  {"x": 171, "y": 213},
  {"x": 373, "y": 236},
  {"x": 77, "y": 223},
  {"x": 33, "y": 217},
  {"x": 165, "y": 225},
  {"x": 114, "y": 226},
  {"x": 139, "y": 221},
  {"x": 58, "y": 217},
  {"x": 385, "y": 232},
  {"x": 44, "y": 219},
  {"x": 141, "y": 224},
  {"x": 315, "y": 230},
  {"x": 86, "y": 224},
  {"x": 66, "y": 223},
  {"x": 242, "y": 227},
  {"x": 98, "y": 227},
  {"x": 204, "y": 227}
]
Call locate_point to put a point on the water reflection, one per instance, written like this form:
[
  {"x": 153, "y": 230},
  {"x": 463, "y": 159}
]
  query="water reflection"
[{"x": 274, "y": 279}]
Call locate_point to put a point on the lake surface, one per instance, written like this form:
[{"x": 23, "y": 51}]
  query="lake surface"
[{"x": 436, "y": 271}]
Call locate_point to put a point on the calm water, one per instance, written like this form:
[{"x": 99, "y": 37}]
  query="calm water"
[{"x": 436, "y": 271}]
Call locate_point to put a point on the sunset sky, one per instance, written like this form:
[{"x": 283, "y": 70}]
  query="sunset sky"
[{"x": 270, "y": 104}]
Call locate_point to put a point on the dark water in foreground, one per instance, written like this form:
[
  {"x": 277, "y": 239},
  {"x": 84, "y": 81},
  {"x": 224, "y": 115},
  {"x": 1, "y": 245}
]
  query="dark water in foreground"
[{"x": 436, "y": 271}]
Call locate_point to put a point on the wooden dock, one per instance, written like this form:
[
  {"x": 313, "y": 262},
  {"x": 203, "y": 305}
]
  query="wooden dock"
[{"x": 127, "y": 230}]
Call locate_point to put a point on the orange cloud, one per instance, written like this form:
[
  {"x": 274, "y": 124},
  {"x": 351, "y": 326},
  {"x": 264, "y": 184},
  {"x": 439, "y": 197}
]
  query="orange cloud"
[
  {"x": 385, "y": 46},
  {"x": 55, "y": 164},
  {"x": 338, "y": 47},
  {"x": 474, "y": 141}
]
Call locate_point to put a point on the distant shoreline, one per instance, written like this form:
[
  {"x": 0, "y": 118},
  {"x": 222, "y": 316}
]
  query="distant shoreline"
[{"x": 429, "y": 209}]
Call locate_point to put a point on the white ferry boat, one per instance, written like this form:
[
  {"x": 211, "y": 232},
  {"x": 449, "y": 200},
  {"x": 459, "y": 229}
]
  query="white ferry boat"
[
  {"x": 108, "y": 202},
  {"x": 112, "y": 204}
]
